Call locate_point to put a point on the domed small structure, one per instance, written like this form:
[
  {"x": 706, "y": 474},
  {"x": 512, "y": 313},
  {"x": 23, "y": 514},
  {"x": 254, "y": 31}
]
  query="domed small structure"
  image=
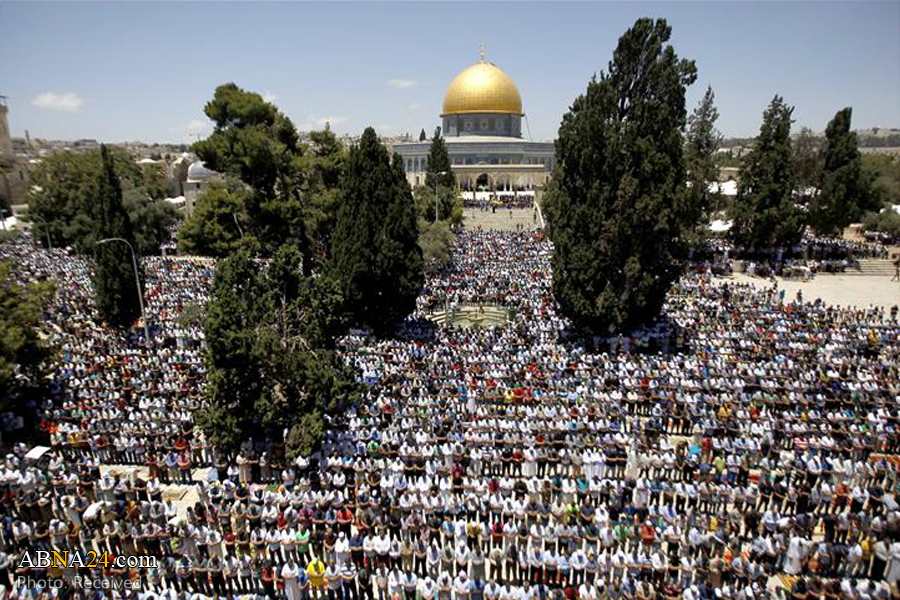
[
  {"x": 198, "y": 171},
  {"x": 199, "y": 178}
]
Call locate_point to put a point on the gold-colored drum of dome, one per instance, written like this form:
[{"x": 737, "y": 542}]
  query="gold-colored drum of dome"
[{"x": 482, "y": 88}]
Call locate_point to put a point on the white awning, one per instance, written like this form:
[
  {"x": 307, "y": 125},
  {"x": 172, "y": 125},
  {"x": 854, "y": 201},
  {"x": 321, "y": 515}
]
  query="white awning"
[
  {"x": 726, "y": 188},
  {"x": 92, "y": 510},
  {"x": 719, "y": 225},
  {"x": 37, "y": 452}
]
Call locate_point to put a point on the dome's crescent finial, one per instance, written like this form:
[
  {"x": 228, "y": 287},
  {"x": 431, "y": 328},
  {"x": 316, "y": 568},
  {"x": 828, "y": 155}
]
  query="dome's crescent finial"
[{"x": 481, "y": 52}]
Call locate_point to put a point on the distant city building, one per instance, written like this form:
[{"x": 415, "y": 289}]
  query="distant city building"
[{"x": 481, "y": 122}]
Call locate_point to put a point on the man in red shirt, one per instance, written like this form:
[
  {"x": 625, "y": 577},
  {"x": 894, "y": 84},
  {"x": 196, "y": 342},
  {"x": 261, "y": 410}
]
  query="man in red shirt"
[{"x": 648, "y": 535}]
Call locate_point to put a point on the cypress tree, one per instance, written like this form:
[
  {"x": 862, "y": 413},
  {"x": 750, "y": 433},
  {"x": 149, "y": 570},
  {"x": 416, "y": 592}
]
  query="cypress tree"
[
  {"x": 701, "y": 144},
  {"x": 401, "y": 262},
  {"x": 375, "y": 253},
  {"x": 115, "y": 291},
  {"x": 233, "y": 364},
  {"x": 765, "y": 211},
  {"x": 438, "y": 162},
  {"x": 807, "y": 156},
  {"x": 619, "y": 196},
  {"x": 846, "y": 189}
]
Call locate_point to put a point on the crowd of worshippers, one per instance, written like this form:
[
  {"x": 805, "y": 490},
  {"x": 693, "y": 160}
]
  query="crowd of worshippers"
[
  {"x": 749, "y": 456},
  {"x": 499, "y": 200},
  {"x": 811, "y": 255},
  {"x": 882, "y": 237}
]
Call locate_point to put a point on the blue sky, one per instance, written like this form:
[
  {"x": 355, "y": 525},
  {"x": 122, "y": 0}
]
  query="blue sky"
[{"x": 143, "y": 71}]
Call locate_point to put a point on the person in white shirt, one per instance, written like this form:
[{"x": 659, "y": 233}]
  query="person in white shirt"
[
  {"x": 426, "y": 588},
  {"x": 461, "y": 586}
]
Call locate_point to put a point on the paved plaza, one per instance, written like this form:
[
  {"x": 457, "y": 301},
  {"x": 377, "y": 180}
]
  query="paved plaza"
[
  {"x": 861, "y": 291},
  {"x": 504, "y": 219}
]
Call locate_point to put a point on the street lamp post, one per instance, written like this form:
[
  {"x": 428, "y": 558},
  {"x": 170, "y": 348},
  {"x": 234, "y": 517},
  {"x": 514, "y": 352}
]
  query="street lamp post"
[
  {"x": 137, "y": 281},
  {"x": 436, "y": 175}
]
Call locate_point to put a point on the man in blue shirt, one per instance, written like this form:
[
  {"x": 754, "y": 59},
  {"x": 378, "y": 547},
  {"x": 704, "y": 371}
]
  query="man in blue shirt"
[{"x": 477, "y": 589}]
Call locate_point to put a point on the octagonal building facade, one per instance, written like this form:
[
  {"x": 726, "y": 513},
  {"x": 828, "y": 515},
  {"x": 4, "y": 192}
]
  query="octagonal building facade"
[{"x": 482, "y": 124}]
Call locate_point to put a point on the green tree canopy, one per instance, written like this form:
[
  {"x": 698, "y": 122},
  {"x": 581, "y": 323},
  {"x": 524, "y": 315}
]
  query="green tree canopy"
[
  {"x": 217, "y": 225},
  {"x": 324, "y": 168},
  {"x": 450, "y": 204},
  {"x": 153, "y": 179},
  {"x": 438, "y": 162},
  {"x": 886, "y": 169},
  {"x": 619, "y": 200},
  {"x": 327, "y": 159},
  {"x": 885, "y": 221},
  {"x": 271, "y": 367},
  {"x": 846, "y": 191},
  {"x": 23, "y": 355},
  {"x": 447, "y": 197},
  {"x": 257, "y": 144},
  {"x": 63, "y": 197},
  {"x": 115, "y": 290},
  {"x": 435, "y": 239},
  {"x": 702, "y": 141},
  {"x": 151, "y": 220},
  {"x": 765, "y": 211},
  {"x": 807, "y": 158},
  {"x": 375, "y": 252}
]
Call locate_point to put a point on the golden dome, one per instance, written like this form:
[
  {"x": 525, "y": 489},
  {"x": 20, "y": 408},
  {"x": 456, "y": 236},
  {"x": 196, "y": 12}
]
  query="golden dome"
[{"x": 482, "y": 88}]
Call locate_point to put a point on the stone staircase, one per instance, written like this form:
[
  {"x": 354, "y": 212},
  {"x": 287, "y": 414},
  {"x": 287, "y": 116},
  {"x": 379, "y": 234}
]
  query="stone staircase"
[
  {"x": 472, "y": 316},
  {"x": 874, "y": 267}
]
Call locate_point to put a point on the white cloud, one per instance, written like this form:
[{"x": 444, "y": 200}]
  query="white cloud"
[
  {"x": 315, "y": 123},
  {"x": 69, "y": 102},
  {"x": 402, "y": 83},
  {"x": 332, "y": 120},
  {"x": 195, "y": 126},
  {"x": 415, "y": 106},
  {"x": 269, "y": 96},
  {"x": 193, "y": 129}
]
